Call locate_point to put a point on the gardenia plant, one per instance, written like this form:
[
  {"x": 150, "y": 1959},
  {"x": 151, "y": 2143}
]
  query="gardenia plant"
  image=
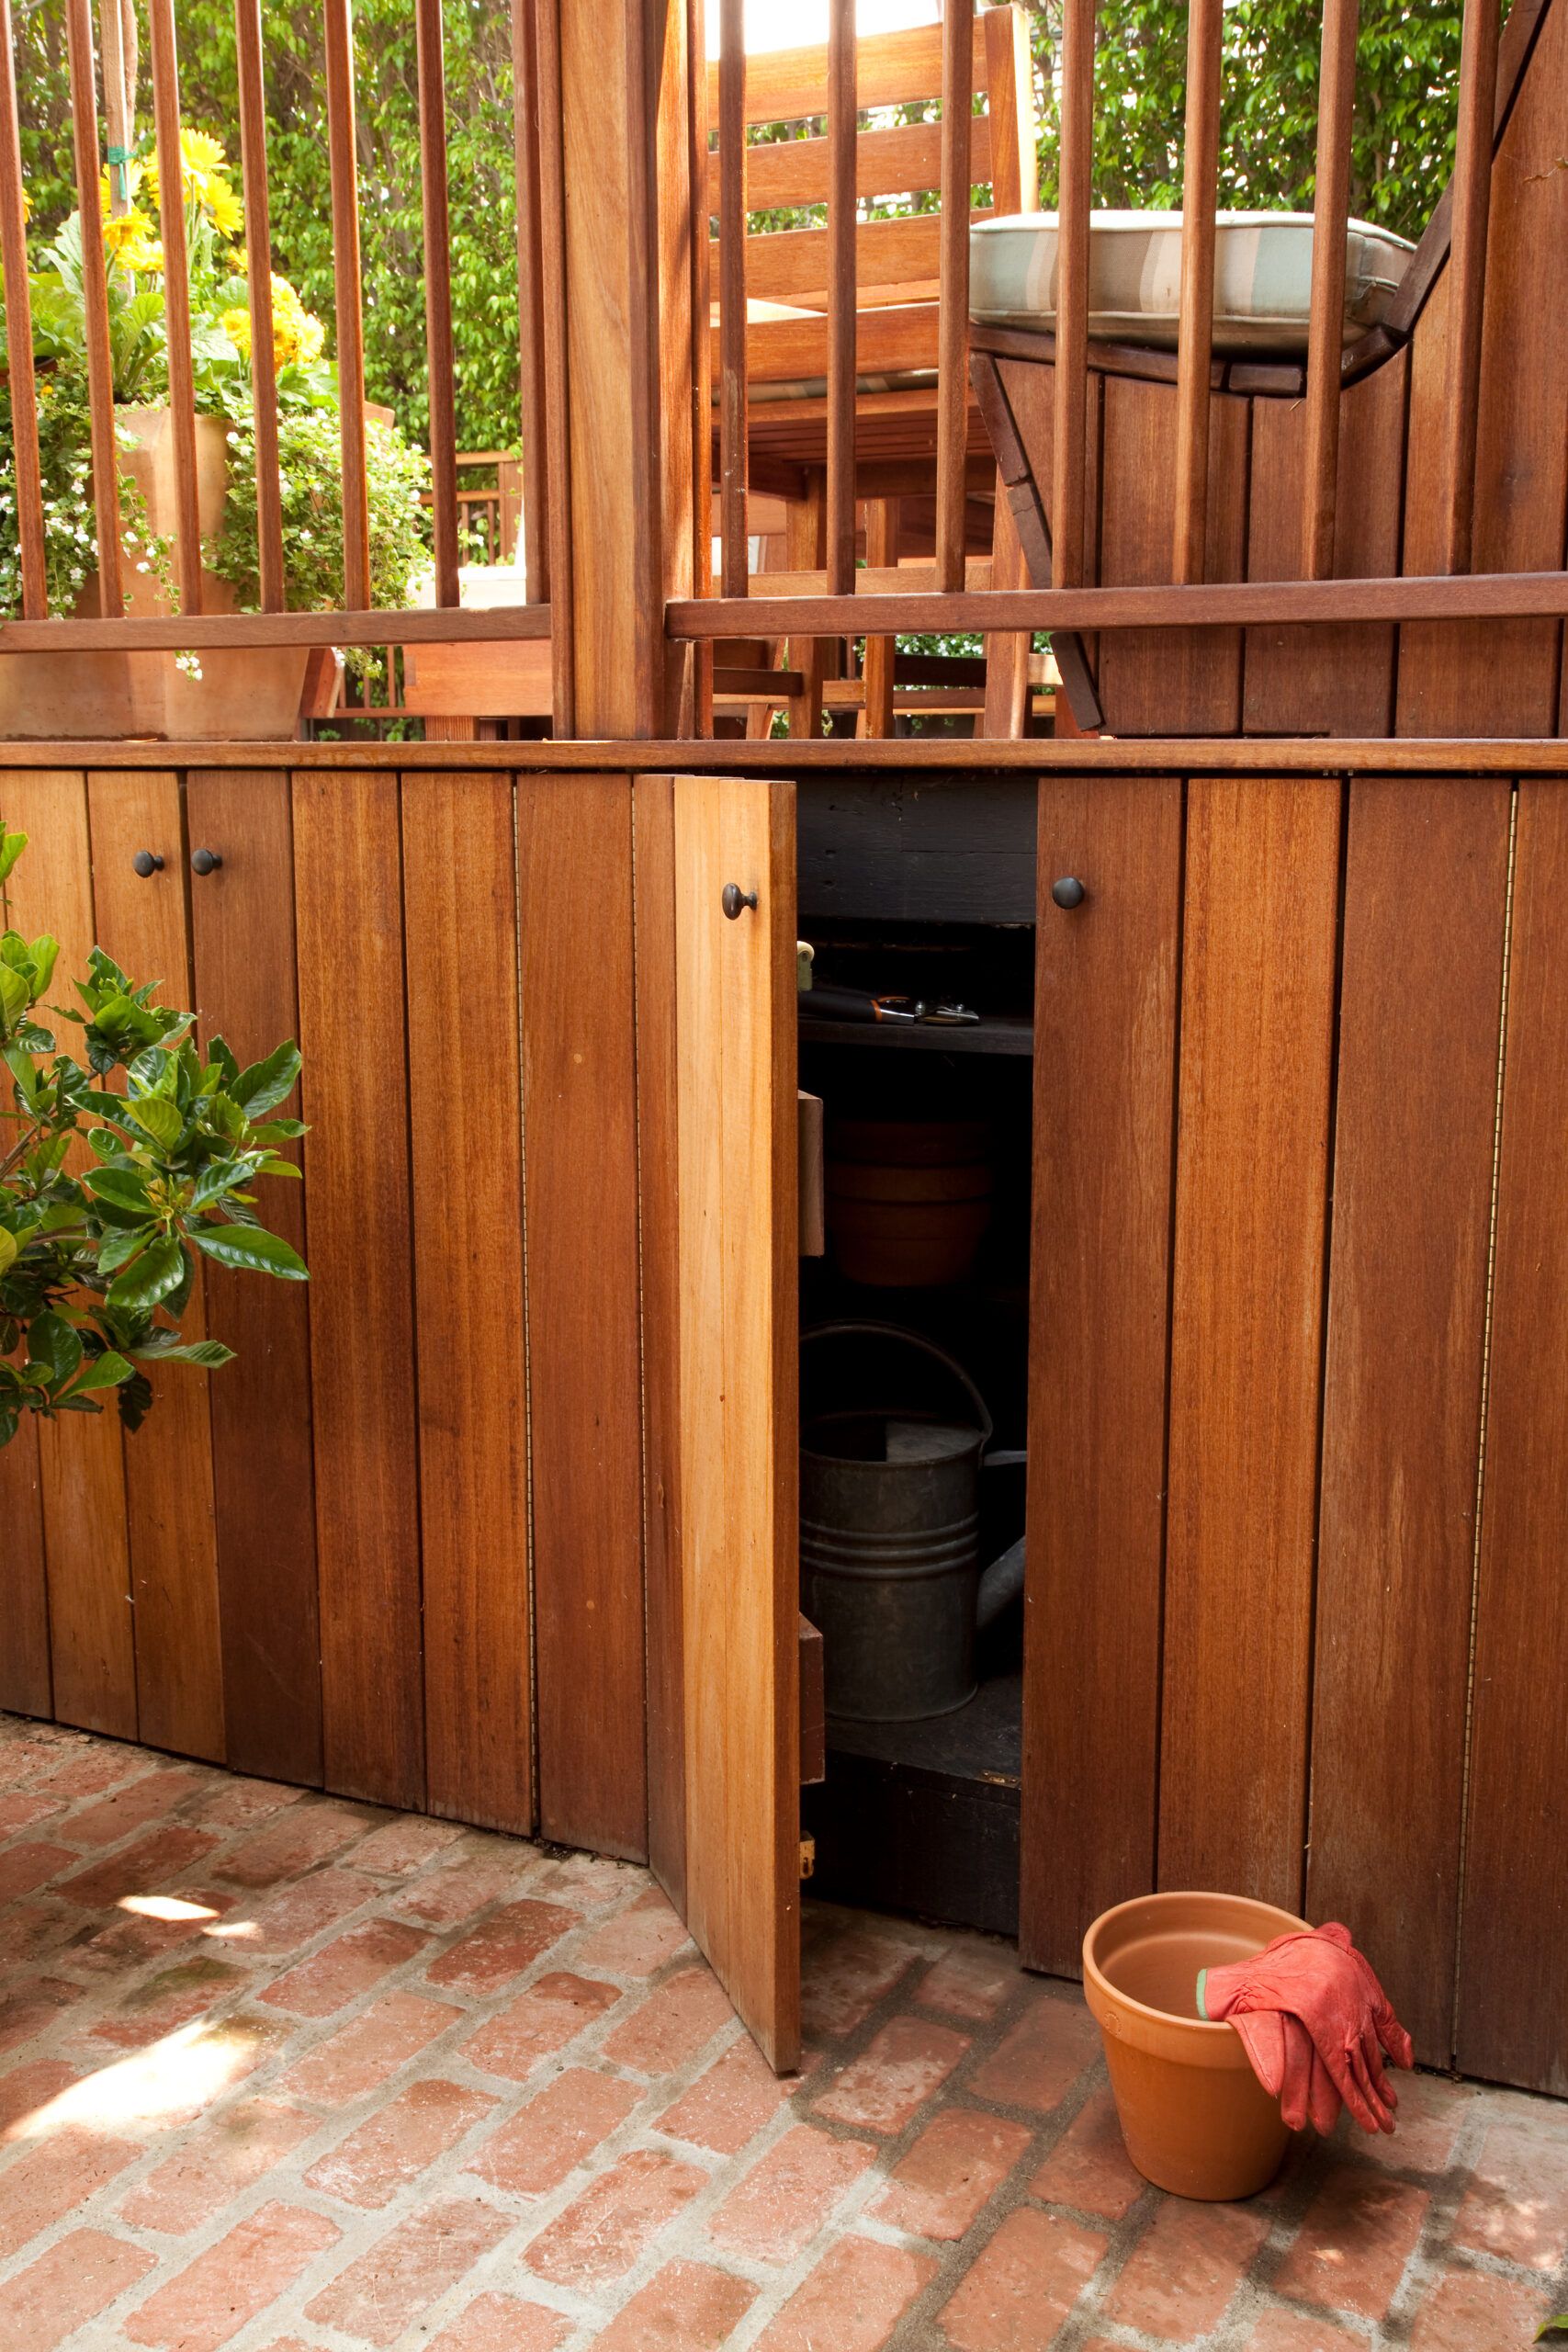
[
  {"x": 221, "y": 353},
  {"x": 100, "y": 1244}
]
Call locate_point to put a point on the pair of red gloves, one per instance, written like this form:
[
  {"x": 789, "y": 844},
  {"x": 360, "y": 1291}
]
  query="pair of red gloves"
[{"x": 1315, "y": 2022}]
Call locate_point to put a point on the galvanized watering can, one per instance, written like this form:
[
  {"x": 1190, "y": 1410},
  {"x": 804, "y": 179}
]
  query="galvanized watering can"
[{"x": 890, "y": 1537}]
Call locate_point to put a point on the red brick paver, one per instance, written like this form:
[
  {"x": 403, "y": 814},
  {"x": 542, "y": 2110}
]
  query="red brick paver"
[{"x": 386, "y": 2084}]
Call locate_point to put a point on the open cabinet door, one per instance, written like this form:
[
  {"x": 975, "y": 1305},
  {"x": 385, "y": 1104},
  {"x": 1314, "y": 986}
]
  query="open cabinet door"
[{"x": 717, "y": 1104}]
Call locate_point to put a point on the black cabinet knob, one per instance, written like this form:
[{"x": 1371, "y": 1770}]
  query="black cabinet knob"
[
  {"x": 146, "y": 863},
  {"x": 203, "y": 861},
  {"x": 735, "y": 899},
  {"x": 1068, "y": 891}
]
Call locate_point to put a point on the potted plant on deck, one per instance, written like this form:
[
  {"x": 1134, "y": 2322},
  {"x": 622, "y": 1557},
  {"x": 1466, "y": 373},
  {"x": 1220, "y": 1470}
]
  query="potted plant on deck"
[{"x": 249, "y": 694}]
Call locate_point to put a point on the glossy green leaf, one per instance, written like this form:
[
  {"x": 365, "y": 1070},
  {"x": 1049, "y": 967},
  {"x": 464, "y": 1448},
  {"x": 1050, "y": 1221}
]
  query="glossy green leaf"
[
  {"x": 160, "y": 1118},
  {"x": 263, "y": 1087},
  {"x": 54, "y": 1347},
  {"x": 250, "y": 1248},
  {"x": 152, "y": 1276},
  {"x": 101, "y": 1372}
]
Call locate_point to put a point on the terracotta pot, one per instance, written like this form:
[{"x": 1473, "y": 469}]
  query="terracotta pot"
[
  {"x": 908, "y": 1201},
  {"x": 1194, "y": 2116},
  {"x": 251, "y": 695}
]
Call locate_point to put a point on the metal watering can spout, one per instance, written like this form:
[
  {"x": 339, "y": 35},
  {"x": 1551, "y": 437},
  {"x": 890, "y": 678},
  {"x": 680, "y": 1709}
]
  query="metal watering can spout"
[{"x": 1000, "y": 1586}]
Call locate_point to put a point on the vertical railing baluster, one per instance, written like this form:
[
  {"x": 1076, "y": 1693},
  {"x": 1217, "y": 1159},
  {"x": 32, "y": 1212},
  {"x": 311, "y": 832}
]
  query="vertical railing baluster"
[
  {"x": 431, "y": 69},
  {"x": 732, "y": 418},
  {"x": 702, "y": 355},
  {"x": 1200, "y": 189},
  {"x": 1074, "y": 200},
  {"x": 530, "y": 303},
  {"x": 176, "y": 297},
  {"x": 258, "y": 273},
  {"x": 96, "y": 306},
  {"x": 19, "y": 339},
  {"x": 1326, "y": 331},
  {"x": 347, "y": 299},
  {"x": 842, "y": 298},
  {"x": 1467, "y": 275},
  {"x": 953, "y": 319}
]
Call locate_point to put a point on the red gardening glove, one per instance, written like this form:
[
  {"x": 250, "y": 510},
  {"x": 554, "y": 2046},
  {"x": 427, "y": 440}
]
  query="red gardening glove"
[{"x": 1315, "y": 2022}]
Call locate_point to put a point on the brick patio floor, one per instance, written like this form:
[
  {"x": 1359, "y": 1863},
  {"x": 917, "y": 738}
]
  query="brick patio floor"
[{"x": 283, "y": 2073}]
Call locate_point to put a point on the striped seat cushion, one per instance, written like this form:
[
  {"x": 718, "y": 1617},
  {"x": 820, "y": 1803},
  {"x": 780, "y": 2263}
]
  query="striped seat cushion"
[{"x": 1262, "y": 276}]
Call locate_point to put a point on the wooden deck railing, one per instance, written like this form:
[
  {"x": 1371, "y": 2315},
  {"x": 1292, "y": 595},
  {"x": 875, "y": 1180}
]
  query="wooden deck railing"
[{"x": 852, "y": 76}]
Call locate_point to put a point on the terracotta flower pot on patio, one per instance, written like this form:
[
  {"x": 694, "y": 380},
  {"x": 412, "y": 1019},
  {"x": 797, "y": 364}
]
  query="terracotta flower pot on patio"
[
  {"x": 1194, "y": 2116},
  {"x": 250, "y": 695}
]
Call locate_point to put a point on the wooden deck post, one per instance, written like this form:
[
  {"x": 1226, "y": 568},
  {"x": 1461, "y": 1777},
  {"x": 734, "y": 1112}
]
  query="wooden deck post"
[{"x": 625, "y": 116}]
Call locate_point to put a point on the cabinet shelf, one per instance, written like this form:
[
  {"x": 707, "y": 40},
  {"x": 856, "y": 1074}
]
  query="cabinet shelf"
[{"x": 999, "y": 1033}]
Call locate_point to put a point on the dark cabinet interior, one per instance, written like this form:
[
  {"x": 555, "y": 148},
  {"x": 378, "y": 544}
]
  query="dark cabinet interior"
[{"x": 927, "y": 1130}]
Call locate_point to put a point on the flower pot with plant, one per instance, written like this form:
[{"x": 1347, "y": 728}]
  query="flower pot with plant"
[{"x": 252, "y": 694}]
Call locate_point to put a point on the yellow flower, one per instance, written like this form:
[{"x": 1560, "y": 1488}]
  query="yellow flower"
[
  {"x": 227, "y": 212},
  {"x": 201, "y": 151},
  {"x": 128, "y": 238},
  {"x": 236, "y": 325}
]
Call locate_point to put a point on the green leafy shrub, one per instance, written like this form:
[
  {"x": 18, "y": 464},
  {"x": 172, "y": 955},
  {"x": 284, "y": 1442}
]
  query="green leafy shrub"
[{"x": 98, "y": 1248}]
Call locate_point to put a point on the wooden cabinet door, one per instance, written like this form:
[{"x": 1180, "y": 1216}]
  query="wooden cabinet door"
[{"x": 716, "y": 1083}]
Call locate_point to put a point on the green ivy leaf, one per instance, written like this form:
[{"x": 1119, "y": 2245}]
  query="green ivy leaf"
[
  {"x": 250, "y": 1248},
  {"x": 152, "y": 1276}
]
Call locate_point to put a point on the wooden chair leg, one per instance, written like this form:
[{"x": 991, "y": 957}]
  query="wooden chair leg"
[
  {"x": 881, "y": 548},
  {"x": 1007, "y": 651},
  {"x": 806, "y": 550}
]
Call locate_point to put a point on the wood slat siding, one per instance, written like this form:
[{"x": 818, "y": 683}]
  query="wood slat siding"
[
  {"x": 1426, "y": 889},
  {"x": 241, "y": 921},
  {"x": 348, "y": 910},
  {"x": 574, "y": 849},
  {"x": 1337, "y": 680},
  {"x": 1164, "y": 681},
  {"x": 466, "y": 1115},
  {"x": 82, "y": 1468},
  {"x": 25, "y": 1685},
  {"x": 653, "y": 818},
  {"x": 1512, "y": 1987},
  {"x": 1104, "y": 1068},
  {"x": 1260, "y": 919},
  {"x": 1500, "y": 679},
  {"x": 168, "y": 1461}
]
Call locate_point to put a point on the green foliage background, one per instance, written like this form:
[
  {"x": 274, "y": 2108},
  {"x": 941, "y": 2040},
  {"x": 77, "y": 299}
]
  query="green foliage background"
[{"x": 1408, "y": 57}]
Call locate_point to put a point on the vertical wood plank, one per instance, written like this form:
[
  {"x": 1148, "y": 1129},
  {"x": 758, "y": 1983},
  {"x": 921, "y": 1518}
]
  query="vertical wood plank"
[
  {"x": 558, "y": 424},
  {"x": 653, "y": 820},
  {"x": 1325, "y": 327},
  {"x": 1513, "y": 1990},
  {"x": 952, "y": 290},
  {"x": 1335, "y": 679},
  {"x": 440, "y": 390},
  {"x": 734, "y": 564},
  {"x": 177, "y": 296},
  {"x": 20, "y": 337},
  {"x": 1467, "y": 273},
  {"x": 87, "y": 158},
  {"x": 1104, "y": 1073},
  {"x": 1257, "y": 1036},
  {"x": 168, "y": 1461},
  {"x": 1195, "y": 334},
  {"x": 81, "y": 1470},
  {"x": 461, "y": 909},
  {"x": 535, "y": 550},
  {"x": 24, "y": 1684},
  {"x": 242, "y": 942},
  {"x": 882, "y": 529},
  {"x": 348, "y": 911},
  {"x": 841, "y": 124},
  {"x": 1498, "y": 677},
  {"x": 1426, "y": 887},
  {"x": 574, "y": 842},
  {"x": 258, "y": 273},
  {"x": 807, "y": 546},
  {"x": 735, "y": 1044},
  {"x": 1167, "y": 681},
  {"x": 341, "y": 144},
  {"x": 1070, "y": 372}
]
